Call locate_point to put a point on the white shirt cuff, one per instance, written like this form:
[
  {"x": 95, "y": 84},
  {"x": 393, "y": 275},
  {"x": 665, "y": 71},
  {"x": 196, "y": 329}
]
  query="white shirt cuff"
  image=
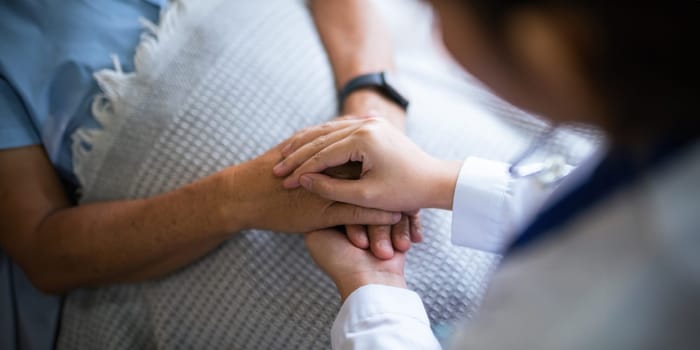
[
  {"x": 382, "y": 317},
  {"x": 480, "y": 204}
]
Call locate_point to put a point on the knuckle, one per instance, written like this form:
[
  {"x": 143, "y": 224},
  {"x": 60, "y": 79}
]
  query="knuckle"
[
  {"x": 366, "y": 194},
  {"x": 382, "y": 230},
  {"x": 369, "y": 130},
  {"x": 292, "y": 143},
  {"x": 363, "y": 132},
  {"x": 320, "y": 158},
  {"x": 357, "y": 214},
  {"x": 303, "y": 132},
  {"x": 320, "y": 141},
  {"x": 304, "y": 135},
  {"x": 370, "y": 120},
  {"x": 320, "y": 187},
  {"x": 374, "y": 122}
]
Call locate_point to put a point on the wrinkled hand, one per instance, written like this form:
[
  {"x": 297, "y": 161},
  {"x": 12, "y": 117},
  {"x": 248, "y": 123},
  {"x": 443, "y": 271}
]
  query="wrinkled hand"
[
  {"x": 350, "y": 267},
  {"x": 267, "y": 205}
]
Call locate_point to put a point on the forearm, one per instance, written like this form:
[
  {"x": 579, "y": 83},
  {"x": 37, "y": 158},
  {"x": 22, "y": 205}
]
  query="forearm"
[
  {"x": 354, "y": 36},
  {"x": 357, "y": 42},
  {"x": 62, "y": 247},
  {"x": 171, "y": 263},
  {"x": 125, "y": 241}
]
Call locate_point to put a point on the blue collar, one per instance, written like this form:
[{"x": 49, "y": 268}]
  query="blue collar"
[{"x": 619, "y": 169}]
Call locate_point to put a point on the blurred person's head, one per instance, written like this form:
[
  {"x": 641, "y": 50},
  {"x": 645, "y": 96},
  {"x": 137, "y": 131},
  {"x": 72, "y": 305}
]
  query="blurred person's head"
[{"x": 628, "y": 67}]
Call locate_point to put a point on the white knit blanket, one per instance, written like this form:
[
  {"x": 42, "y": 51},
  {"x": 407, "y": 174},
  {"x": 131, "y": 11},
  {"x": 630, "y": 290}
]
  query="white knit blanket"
[{"x": 218, "y": 82}]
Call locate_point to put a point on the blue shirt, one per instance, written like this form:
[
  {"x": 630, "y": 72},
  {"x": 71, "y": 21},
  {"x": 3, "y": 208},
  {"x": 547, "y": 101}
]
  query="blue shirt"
[{"x": 49, "y": 51}]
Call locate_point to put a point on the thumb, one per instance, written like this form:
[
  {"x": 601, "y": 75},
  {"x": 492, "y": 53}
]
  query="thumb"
[
  {"x": 321, "y": 244},
  {"x": 348, "y": 214},
  {"x": 315, "y": 240}
]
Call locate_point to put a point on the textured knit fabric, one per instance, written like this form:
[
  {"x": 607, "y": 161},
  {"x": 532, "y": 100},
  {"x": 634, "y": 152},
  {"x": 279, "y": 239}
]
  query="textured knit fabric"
[{"x": 219, "y": 83}]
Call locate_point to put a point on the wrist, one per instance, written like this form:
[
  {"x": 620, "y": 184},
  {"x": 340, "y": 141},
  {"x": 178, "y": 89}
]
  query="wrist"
[
  {"x": 443, "y": 181},
  {"x": 236, "y": 205},
  {"x": 371, "y": 102},
  {"x": 207, "y": 201},
  {"x": 348, "y": 284}
]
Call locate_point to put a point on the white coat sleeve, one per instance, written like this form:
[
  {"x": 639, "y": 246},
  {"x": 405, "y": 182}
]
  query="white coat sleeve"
[
  {"x": 382, "y": 317},
  {"x": 490, "y": 206}
]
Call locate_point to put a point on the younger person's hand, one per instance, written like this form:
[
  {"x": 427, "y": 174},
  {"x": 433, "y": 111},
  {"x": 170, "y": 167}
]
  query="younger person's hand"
[
  {"x": 396, "y": 174},
  {"x": 350, "y": 267},
  {"x": 381, "y": 240}
]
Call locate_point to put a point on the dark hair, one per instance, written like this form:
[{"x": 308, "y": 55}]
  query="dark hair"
[{"x": 645, "y": 65}]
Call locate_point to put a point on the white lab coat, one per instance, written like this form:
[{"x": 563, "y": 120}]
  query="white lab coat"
[{"x": 623, "y": 275}]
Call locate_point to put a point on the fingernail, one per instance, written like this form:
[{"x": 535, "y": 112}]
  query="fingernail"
[
  {"x": 419, "y": 236},
  {"x": 364, "y": 241},
  {"x": 362, "y": 237},
  {"x": 384, "y": 244},
  {"x": 306, "y": 181}
]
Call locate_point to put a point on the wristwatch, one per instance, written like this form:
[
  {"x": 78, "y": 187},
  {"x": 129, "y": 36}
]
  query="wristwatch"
[{"x": 380, "y": 81}]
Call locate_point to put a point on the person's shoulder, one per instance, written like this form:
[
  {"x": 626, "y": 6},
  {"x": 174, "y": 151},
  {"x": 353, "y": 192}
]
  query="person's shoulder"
[
  {"x": 673, "y": 194},
  {"x": 641, "y": 240},
  {"x": 681, "y": 172}
]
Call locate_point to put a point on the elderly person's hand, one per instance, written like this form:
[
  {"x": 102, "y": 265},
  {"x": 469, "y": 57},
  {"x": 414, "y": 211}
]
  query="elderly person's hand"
[
  {"x": 350, "y": 267},
  {"x": 265, "y": 204}
]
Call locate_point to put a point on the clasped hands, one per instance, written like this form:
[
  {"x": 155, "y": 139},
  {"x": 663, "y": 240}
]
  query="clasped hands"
[
  {"x": 381, "y": 240},
  {"x": 394, "y": 175}
]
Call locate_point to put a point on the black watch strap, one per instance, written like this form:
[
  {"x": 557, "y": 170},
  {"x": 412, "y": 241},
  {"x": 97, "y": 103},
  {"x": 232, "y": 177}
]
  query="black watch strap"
[{"x": 372, "y": 80}]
